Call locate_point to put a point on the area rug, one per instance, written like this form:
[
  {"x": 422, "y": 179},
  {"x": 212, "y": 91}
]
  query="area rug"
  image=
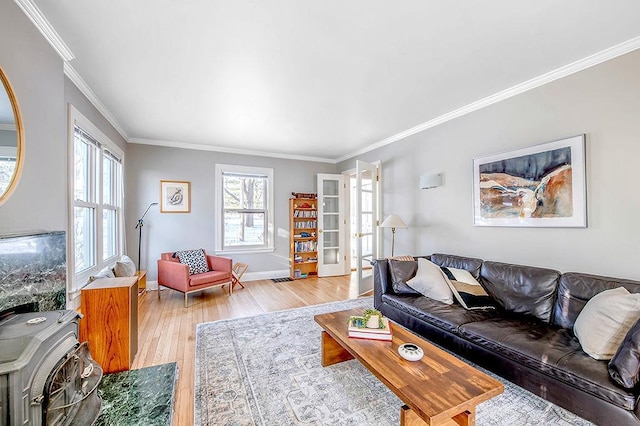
[{"x": 265, "y": 370}]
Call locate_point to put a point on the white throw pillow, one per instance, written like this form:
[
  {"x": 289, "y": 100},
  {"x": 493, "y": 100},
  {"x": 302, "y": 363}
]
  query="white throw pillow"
[
  {"x": 605, "y": 320},
  {"x": 430, "y": 281}
]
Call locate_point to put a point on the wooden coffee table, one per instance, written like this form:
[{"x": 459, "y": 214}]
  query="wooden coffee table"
[{"x": 439, "y": 389}]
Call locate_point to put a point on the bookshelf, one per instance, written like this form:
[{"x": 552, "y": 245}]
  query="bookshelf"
[{"x": 303, "y": 237}]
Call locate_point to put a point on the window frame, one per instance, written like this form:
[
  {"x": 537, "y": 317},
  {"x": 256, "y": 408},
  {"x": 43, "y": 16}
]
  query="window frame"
[
  {"x": 269, "y": 244},
  {"x": 106, "y": 148}
]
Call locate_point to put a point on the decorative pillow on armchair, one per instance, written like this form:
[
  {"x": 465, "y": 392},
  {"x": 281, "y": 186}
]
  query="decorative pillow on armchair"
[{"x": 195, "y": 259}]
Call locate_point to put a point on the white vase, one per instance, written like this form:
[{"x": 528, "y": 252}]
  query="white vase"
[{"x": 373, "y": 321}]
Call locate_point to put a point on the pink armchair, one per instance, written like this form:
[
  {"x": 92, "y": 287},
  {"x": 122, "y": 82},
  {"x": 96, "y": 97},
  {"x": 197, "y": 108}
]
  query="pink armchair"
[{"x": 175, "y": 275}]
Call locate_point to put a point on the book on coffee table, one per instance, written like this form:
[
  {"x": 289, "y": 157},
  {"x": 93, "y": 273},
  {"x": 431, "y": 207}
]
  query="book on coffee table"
[{"x": 356, "y": 332}]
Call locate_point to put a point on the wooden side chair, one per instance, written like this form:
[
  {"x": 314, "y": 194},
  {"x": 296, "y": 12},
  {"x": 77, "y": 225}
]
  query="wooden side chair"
[{"x": 237, "y": 272}]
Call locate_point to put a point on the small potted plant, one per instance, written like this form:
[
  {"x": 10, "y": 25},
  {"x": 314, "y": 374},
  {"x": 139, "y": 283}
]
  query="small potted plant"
[{"x": 373, "y": 318}]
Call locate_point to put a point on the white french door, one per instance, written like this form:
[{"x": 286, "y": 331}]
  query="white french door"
[
  {"x": 366, "y": 216},
  {"x": 331, "y": 225}
]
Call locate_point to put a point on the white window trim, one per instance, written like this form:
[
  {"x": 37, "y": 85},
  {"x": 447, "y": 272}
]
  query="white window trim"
[
  {"x": 219, "y": 208},
  {"x": 75, "y": 282}
]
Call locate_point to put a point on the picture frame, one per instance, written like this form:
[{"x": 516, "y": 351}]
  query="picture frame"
[
  {"x": 539, "y": 186},
  {"x": 175, "y": 196}
]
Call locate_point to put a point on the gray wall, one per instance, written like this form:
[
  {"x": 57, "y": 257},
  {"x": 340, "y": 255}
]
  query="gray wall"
[
  {"x": 601, "y": 102},
  {"x": 35, "y": 72},
  {"x": 166, "y": 232}
]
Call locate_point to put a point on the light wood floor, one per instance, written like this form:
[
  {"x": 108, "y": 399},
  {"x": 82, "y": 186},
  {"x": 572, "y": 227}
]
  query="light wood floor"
[{"x": 167, "y": 330}]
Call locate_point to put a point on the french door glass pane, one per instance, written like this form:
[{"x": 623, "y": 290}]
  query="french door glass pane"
[
  {"x": 330, "y": 187},
  {"x": 84, "y": 237},
  {"x": 330, "y": 239},
  {"x": 331, "y": 222},
  {"x": 244, "y": 229},
  {"x": 331, "y": 204},
  {"x": 109, "y": 234},
  {"x": 331, "y": 256},
  {"x": 82, "y": 171}
]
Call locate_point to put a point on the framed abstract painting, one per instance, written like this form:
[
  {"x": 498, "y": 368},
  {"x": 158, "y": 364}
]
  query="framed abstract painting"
[
  {"x": 175, "y": 196},
  {"x": 539, "y": 186}
]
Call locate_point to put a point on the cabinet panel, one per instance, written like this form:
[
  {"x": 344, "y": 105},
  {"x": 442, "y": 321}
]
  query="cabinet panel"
[{"x": 110, "y": 309}]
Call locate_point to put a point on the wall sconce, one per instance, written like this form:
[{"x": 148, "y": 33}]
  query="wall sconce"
[{"x": 430, "y": 181}]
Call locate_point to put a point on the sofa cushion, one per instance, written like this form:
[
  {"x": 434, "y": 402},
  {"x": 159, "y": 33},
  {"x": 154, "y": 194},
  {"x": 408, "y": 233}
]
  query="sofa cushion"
[
  {"x": 552, "y": 351},
  {"x": 401, "y": 271},
  {"x": 196, "y": 260},
  {"x": 575, "y": 290},
  {"x": 447, "y": 317},
  {"x": 431, "y": 282},
  {"x": 208, "y": 277},
  {"x": 605, "y": 320},
  {"x": 470, "y": 264},
  {"x": 521, "y": 289},
  {"x": 624, "y": 367}
]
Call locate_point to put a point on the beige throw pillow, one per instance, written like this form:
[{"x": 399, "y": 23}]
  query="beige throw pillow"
[
  {"x": 125, "y": 267},
  {"x": 605, "y": 320},
  {"x": 430, "y": 282}
]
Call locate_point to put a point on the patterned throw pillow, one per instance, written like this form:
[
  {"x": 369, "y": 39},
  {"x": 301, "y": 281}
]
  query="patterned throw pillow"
[{"x": 195, "y": 259}]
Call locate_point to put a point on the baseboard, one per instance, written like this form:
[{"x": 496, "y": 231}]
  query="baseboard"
[
  {"x": 265, "y": 275},
  {"x": 248, "y": 276}
]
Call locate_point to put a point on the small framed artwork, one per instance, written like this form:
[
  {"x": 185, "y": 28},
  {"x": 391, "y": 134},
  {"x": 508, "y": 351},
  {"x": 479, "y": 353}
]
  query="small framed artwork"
[
  {"x": 175, "y": 196},
  {"x": 539, "y": 186}
]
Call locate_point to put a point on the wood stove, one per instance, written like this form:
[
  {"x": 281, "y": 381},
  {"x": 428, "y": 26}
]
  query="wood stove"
[{"x": 46, "y": 376}]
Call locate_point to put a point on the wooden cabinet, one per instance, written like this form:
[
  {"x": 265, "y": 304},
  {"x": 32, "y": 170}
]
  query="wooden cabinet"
[
  {"x": 303, "y": 231},
  {"x": 110, "y": 309}
]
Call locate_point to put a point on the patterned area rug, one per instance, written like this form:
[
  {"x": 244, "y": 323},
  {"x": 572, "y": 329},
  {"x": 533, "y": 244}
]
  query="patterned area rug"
[{"x": 265, "y": 370}]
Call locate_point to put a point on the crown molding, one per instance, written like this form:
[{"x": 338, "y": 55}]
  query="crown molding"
[
  {"x": 73, "y": 75},
  {"x": 582, "y": 64},
  {"x": 10, "y": 127},
  {"x": 42, "y": 24},
  {"x": 201, "y": 147}
]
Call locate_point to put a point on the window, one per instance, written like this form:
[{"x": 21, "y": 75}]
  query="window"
[
  {"x": 96, "y": 206},
  {"x": 7, "y": 166},
  {"x": 244, "y": 201}
]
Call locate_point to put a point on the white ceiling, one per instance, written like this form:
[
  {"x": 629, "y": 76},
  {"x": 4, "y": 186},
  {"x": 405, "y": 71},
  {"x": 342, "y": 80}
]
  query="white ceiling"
[{"x": 318, "y": 78}]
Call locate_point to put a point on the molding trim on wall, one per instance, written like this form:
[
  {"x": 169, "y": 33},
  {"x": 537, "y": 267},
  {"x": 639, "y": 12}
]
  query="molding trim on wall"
[
  {"x": 579, "y": 65},
  {"x": 42, "y": 24},
  {"x": 73, "y": 75},
  {"x": 201, "y": 147}
]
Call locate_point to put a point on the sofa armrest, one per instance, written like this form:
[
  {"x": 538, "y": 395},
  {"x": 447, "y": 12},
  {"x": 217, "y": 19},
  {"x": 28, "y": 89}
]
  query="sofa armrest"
[
  {"x": 173, "y": 274},
  {"x": 381, "y": 281},
  {"x": 219, "y": 263}
]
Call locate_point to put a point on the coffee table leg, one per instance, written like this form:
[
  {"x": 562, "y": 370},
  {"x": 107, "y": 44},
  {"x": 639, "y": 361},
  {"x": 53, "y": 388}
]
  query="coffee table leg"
[
  {"x": 409, "y": 418},
  {"x": 332, "y": 352}
]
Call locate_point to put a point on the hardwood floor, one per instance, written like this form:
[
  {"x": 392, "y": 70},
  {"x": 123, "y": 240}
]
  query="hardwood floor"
[{"x": 167, "y": 330}]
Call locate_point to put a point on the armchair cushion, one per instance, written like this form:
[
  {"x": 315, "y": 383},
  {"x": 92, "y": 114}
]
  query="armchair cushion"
[
  {"x": 195, "y": 260},
  {"x": 209, "y": 277}
]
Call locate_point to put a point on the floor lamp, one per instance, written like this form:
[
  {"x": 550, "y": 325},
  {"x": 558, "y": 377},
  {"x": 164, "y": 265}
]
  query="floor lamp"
[
  {"x": 139, "y": 228},
  {"x": 393, "y": 221}
]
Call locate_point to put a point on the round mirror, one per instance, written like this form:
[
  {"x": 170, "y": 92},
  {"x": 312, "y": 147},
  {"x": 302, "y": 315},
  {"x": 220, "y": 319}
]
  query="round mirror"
[{"x": 11, "y": 140}]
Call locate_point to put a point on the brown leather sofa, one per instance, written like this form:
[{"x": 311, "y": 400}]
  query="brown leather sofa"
[{"x": 528, "y": 339}]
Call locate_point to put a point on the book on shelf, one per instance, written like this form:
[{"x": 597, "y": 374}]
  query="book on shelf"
[{"x": 356, "y": 332}]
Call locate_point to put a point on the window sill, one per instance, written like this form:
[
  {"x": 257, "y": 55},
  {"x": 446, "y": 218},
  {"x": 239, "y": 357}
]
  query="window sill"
[{"x": 247, "y": 251}]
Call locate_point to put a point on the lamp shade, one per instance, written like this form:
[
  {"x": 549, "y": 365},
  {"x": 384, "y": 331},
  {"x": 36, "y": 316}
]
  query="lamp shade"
[{"x": 393, "y": 221}]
